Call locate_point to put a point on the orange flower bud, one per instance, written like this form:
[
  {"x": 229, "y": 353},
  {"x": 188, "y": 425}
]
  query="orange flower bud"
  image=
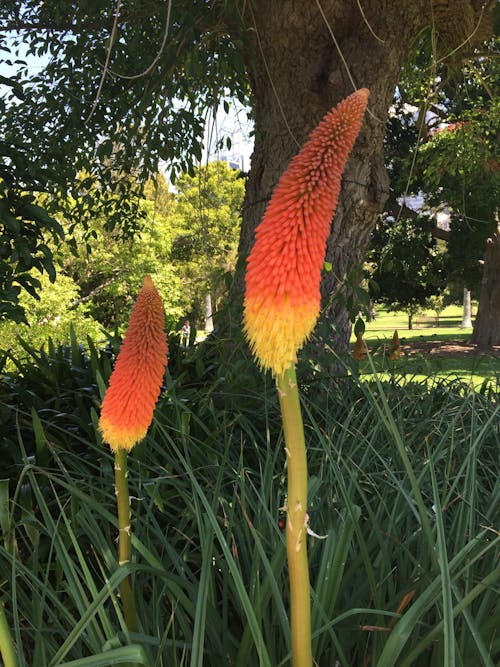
[
  {"x": 134, "y": 386},
  {"x": 359, "y": 351},
  {"x": 395, "y": 352}
]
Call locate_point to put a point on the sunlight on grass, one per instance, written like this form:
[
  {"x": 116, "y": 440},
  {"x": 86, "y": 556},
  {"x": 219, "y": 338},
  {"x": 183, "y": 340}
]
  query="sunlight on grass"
[
  {"x": 472, "y": 372},
  {"x": 424, "y": 325},
  {"x": 420, "y": 364},
  {"x": 475, "y": 382}
]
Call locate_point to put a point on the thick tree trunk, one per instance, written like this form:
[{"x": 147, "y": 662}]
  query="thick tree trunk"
[
  {"x": 487, "y": 325},
  {"x": 304, "y": 58}
]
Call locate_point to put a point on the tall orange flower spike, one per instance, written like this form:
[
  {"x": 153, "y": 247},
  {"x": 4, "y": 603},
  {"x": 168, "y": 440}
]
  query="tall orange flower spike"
[
  {"x": 282, "y": 298},
  {"x": 134, "y": 386}
]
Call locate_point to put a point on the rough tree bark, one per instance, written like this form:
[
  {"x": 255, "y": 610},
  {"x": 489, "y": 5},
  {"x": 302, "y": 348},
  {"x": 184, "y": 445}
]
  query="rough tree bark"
[
  {"x": 487, "y": 324},
  {"x": 304, "y": 58}
]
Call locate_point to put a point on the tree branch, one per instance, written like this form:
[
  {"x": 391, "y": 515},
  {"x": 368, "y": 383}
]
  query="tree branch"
[{"x": 439, "y": 233}]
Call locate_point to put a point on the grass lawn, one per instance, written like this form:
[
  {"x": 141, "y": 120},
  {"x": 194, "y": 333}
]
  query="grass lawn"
[
  {"x": 418, "y": 364},
  {"x": 424, "y": 325}
]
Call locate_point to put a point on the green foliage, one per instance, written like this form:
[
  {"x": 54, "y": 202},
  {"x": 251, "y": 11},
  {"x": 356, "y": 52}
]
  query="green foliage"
[
  {"x": 25, "y": 227},
  {"x": 108, "y": 271},
  {"x": 187, "y": 244},
  {"x": 208, "y": 204},
  {"x": 163, "y": 70},
  {"x": 445, "y": 146},
  {"x": 436, "y": 304},
  {"x": 209, "y": 555},
  {"x": 24, "y": 247},
  {"x": 100, "y": 272},
  {"x": 206, "y": 213},
  {"x": 56, "y": 386},
  {"x": 114, "y": 123},
  {"x": 356, "y": 299},
  {"x": 52, "y": 314},
  {"x": 460, "y": 166}
]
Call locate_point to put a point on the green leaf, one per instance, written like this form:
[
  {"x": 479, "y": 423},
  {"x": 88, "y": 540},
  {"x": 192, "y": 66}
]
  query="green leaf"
[
  {"x": 359, "y": 327},
  {"x": 126, "y": 655},
  {"x": 5, "y": 516},
  {"x": 42, "y": 452}
]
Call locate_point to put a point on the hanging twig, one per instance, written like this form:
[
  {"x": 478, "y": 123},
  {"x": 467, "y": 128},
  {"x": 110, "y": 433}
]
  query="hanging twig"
[{"x": 106, "y": 64}]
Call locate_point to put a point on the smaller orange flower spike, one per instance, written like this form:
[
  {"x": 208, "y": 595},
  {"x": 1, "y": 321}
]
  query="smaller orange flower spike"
[
  {"x": 282, "y": 296},
  {"x": 395, "y": 346},
  {"x": 359, "y": 351},
  {"x": 134, "y": 386}
]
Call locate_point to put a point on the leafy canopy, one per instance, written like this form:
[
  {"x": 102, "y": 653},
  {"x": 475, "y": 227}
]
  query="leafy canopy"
[
  {"x": 188, "y": 245},
  {"x": 119, "y": 92},
  {"x": 442, "y": 143},
  {"x": 120, "y": 87}
]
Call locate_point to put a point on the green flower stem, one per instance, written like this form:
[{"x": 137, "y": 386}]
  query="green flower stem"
[
  {"x": 7, "y": 650},
  {"x": 125, "y": 537},
  {"x": 296, "y": 525}
]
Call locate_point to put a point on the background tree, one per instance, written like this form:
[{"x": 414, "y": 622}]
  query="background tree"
[
  {"x": 25, "y": 227},
  {"x": 187, "y": 243},
  {"x": 94, "y": 290},
  {"x": 58, "y": 308},
  {"x": 109, "y": 269},
  {"x": 127, "y": 85},
  {"x": 464, "y": 171},
  {"x": 207, "y": 212},
  {"x": 443, "y": 146},
  {"x": 408, "y": 267}
]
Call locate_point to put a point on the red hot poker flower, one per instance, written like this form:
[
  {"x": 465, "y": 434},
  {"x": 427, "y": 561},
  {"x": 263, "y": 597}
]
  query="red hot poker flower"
[
  {"x": 282, "y": 298},
  {"x": 359, "y": 351},
  {"x": 395, "y": 348},
  {"x": 134, "y": 386}
]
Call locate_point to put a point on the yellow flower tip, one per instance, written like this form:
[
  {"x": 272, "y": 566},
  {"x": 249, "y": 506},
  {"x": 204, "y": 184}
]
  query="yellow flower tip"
[
  {"x": 134, "y": 386},
  {"x": 120, "y": 438},
  {"x": 276, "y": 330},
  {"x": 282, "y": 296}
]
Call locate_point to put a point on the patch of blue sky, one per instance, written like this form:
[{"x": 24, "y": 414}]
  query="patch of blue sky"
[{"x": 229, "y": 135}]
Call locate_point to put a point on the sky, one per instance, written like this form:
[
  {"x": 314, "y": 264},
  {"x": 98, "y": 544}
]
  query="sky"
[{"x": 238, "y": 127}]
